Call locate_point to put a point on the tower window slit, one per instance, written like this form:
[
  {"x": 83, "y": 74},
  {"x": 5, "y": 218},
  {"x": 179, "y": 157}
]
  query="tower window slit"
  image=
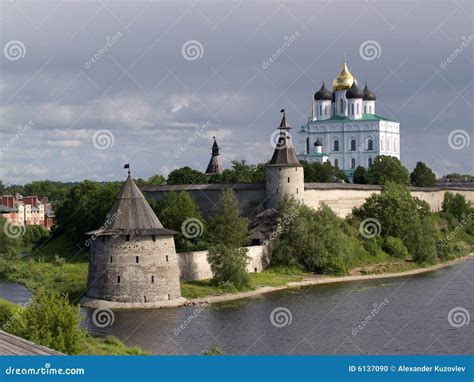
[
  {"x": 111, "y": 259},
  {"x": 137, "y": 259},
  {"x": 167, "y": 258},
  {"x": 118, "y": 279},
  {"x": 153, "y": 237},
  {"x": 152, "y": 279},
  {"x": 288, "y": 179},
  {"x": 127, "y": 238}
]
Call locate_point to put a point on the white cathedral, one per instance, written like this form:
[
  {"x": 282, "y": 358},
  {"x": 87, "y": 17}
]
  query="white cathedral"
[{"x": 344, "y": 128}]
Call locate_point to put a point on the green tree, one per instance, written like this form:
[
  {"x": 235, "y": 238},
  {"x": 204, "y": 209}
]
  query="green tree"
[
  {"x": 227, "y": 226},
  {"x": 186, "y": 175},
  {"x": 422, "y": 176},
  {"x": 9, "y": 245},
  {"x": 388, "y": 169},
  {"x": 313, "y": 239},
  {"x": 400, "y": 215},
  {"x": 229, "y": 266},
  {"x": 50, "y": 320},
  {"x": 179, "y": 212},
  {"x": 229, "y": 232},
  {"x": 455, "y": 204},
  {"x": 322, "y": 173},
  {"x": 156, "y": 180},
  {"x": 2, "y": 188},
  {"x": 84, "y": 208},
  {"x": 360, "y": 175},
  {"x": 241, "y": 172}
]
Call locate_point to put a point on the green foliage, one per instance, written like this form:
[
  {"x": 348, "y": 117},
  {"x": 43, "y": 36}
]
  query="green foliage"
[
  {"x": 388, "y": 169},
  {"x": 322, "y": 173},
  {"x": 9, "y": 246},
  {"x": 84, "y": 208},
  {"x": 241, "y": 172},
  {"x": 186, "y": 175},
  {"x": 50, "y": 320},
  {"x": 315, "y": 240},
  {"x": 402, "y": 216},
  {"x": 34, "y": 234},
  {"x": 227, "y": 226},
  {"x": 214, "y": 350},
  {"x": 180, "y": 213},
  {"x": 422, "y": 176},
  {"x": 455, "y": 204},
  {"x": 7, "y": 312},
  {"x": 228, "y": 265},
  {"x": 360, "y": 175},
  {"x": 156, "y": 180},
  {"x": 394, "y": 247}
]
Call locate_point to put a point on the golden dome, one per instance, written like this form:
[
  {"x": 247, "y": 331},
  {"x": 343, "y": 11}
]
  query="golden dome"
[{"x": 344, "y": 80}]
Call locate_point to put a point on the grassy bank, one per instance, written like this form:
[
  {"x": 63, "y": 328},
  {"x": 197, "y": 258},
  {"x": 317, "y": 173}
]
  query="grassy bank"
[{"x": 88, "y": 345}]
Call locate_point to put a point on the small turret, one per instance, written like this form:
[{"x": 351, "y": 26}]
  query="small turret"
[
  {"x": 284, "y": 174},
  {"x": 215, "y": 166}
]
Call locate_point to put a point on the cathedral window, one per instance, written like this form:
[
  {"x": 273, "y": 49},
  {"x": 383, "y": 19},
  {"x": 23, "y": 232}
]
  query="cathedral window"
[
  {"x": 357, "y": 108},
  {"x": 353, "y": 163},
  {"x": 352, "y": 108},
  {"x": 320, "y": 109},
  {"x": 353, "y": 145},
  {"x": 336, "y": 163},
  {"x": 342, "y": 106},
  {"x": 370, "y": 144},
  {"x": 365, "y": 109},
  {"x": 336, "y": 145},
  {"x": 370, "y": 162}
]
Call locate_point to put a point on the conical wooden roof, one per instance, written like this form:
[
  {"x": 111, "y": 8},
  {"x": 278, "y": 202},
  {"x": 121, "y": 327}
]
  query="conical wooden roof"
[{"x": 131, "y": 215}]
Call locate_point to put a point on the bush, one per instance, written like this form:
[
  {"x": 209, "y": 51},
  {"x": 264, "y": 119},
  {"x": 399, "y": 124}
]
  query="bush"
[
  {"x": 455, "y": 204},
  {"x": 394, "y": 247},
  {"x": 7, "y": 311},
  {"x": 50, "y": 320},
  {"x": 388, "y": 169},
  {"x": 228, "y": 265},
  {"x": 314, "y": 239}
]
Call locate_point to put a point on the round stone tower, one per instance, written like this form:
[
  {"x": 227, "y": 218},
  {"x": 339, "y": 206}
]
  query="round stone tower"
[
  {"x": 284, "y": 175},
  {"x": 133, "y": 257}
]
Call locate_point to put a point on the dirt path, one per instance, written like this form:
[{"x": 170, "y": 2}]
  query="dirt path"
[{"x": 320, "y": 279}]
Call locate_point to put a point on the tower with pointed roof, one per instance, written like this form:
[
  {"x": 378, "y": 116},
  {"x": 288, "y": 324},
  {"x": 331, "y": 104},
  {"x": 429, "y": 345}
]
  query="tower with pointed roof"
[
  {"x": 284, "y": 173},
  {"x": 346, "y": 127},
  {"x": 215, "y": 166},
  {"x": 133, "y": 257}
]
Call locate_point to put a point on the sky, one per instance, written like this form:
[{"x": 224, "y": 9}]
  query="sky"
[{"x": 88, "y": 86}]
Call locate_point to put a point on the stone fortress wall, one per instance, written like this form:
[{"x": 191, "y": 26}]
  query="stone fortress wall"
[{"x": 341, "y": 197}]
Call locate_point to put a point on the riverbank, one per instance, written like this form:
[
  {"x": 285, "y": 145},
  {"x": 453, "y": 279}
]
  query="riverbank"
[{"x": 306, "y": 281}]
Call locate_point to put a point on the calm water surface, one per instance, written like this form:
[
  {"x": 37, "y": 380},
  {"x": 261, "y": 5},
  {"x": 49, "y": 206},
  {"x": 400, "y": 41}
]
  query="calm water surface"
[{"x": 323, "y": 319}]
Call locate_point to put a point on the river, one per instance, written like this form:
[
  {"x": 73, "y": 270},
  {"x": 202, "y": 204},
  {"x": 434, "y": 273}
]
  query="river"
[{"x": 406, "y": 315}]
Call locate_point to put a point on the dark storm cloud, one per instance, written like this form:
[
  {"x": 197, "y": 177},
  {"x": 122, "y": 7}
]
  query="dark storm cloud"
[{"x": 118, "y": 67}]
